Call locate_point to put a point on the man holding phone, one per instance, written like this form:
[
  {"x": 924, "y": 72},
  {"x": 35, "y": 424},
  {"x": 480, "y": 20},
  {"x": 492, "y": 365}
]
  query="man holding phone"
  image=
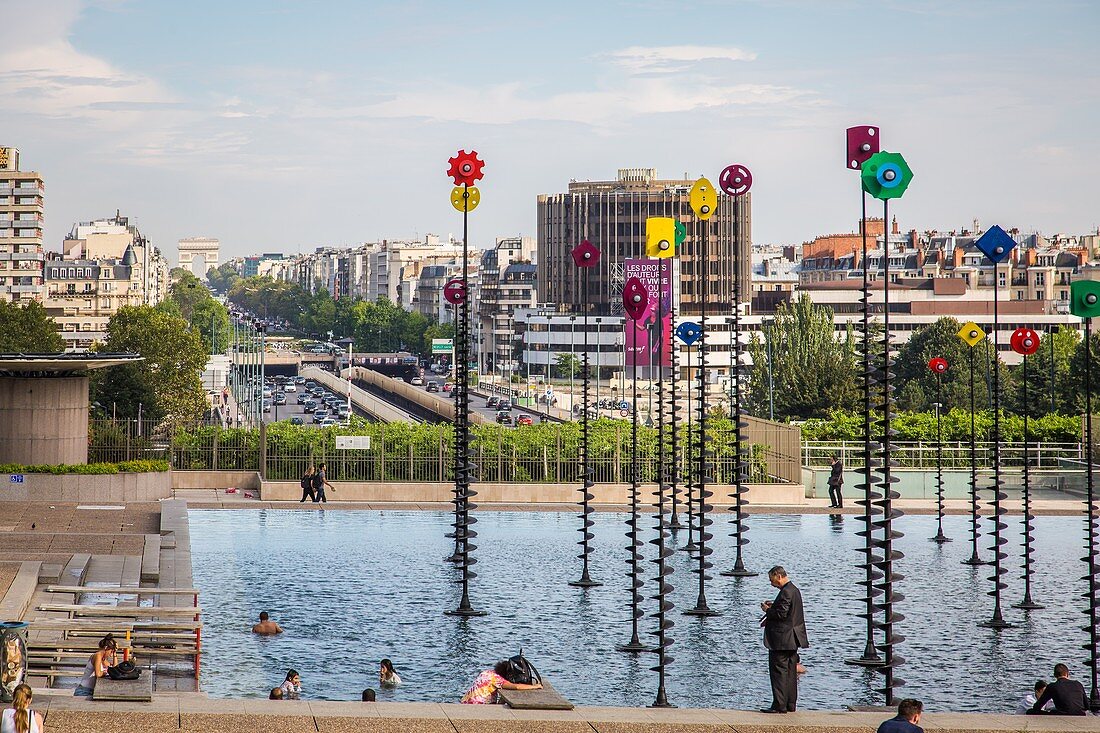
[{"x": 784, "y": 634}]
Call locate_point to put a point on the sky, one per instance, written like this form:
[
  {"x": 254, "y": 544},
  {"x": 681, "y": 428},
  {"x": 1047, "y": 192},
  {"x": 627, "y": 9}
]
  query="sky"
[{"x": 283, "y": 126}]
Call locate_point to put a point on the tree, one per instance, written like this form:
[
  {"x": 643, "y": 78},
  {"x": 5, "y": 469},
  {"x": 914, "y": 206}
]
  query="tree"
[
  {"x": 1067, "y": 384},
  {"x": 222, "y": 278},
  {"x": 173, "y": 360},
  {"x": 916, "y": 383},
  {"x": 567, "y": 365},
  {"x": 26, "y": 329},
  {"x": 812, "y": 371}
]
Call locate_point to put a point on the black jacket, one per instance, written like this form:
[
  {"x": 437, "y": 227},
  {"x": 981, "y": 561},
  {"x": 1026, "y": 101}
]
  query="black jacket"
[
  {"x": 785, "y": 622},
  {"x": 836, "y": 475},
  {"x": 1068, "y": 696}
]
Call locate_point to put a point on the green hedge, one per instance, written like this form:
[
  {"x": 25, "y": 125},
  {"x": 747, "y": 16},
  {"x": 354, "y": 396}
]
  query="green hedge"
[
  {"x": 89, "y": 469},
  {"x": 842, "y": 425}
]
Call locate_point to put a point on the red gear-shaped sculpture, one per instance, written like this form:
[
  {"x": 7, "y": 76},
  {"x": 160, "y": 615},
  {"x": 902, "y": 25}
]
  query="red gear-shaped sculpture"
[
  {"x": 1025, "y": 341},
  {"x": 465, "y": 168}
]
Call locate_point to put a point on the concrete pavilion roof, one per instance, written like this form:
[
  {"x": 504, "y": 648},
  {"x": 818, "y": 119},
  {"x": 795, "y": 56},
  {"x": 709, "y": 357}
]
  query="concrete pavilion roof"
[{"x": 60, "y": 365}]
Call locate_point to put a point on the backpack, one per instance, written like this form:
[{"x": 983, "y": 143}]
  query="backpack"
[
  {"x": 124, "y": 671},
  {"x": 521, "y": 671},
  {"x": 307, "y": 482}
]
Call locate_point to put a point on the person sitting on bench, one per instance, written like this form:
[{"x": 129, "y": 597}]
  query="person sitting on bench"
[
  {"x": 488, "y": 683},
  {"x": 97, "y": 666}
]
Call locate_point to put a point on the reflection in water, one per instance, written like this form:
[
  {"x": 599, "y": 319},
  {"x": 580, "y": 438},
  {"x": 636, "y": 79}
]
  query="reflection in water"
[
  {"x": 836, "y": 523},
  {"x": 352, "y": 587}
]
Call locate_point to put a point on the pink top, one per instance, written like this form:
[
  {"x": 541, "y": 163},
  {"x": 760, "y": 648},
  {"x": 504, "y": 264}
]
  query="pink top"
[{"x": 484, "y": 689}]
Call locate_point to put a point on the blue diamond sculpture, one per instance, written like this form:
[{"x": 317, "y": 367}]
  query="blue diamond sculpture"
[{"x": 995, "y": 244}]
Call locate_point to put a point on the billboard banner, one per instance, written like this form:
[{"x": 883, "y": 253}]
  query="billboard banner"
[{"x": 643, "y": 340}]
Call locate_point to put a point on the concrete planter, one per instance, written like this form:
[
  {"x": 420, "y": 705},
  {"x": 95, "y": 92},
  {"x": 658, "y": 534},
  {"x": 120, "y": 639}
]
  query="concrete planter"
[{"x": 106, "y": 488}]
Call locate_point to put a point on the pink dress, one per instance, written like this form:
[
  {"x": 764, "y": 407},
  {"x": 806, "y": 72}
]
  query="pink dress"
[{"x": 484, "y": 689}]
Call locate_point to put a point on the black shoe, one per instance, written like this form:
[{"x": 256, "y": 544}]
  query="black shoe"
[{"x": 773, "y": 710}]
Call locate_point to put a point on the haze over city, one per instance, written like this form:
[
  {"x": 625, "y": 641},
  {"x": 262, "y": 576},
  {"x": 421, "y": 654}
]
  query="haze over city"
[{"x": 283, "y": 127}]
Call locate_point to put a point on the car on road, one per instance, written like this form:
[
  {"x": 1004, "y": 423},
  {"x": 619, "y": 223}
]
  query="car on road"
[
  {"x": 296, "y": 420},
  {"x": 448, "y": 386},
  {"x": 298, "y": 380},
  {"x": 493, "y": 401},
  {"x": 524, "y": 420},
  {"x": 319, "y": 416},
  {"x": 302, "y": 398},
  {"x": 504, "y": 418},
  {"x": 267, "y": 405},
  {"x": 329, "y": 421},
  {"x": 280, "y": 399},
  {"x": 342, "y": 412},
  {"x": 309, "y": 405},
  {"x": 416, "y": 381},
  {"x": 431, "y": 387},
  {"x": 290, "y": 388},
  {"x": 505, "y": 405}
]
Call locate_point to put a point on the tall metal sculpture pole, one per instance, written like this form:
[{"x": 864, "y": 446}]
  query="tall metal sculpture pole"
[
  {"x": 1085, "y": 303},
  {"x": 736, "y": 181},
  {"x": 971, "y": 334},
  {"x": 635, "y": 302},
  {"x": 863, "y": 142},
  {"x": 703, "y": 467},
  {"x": 674, "y": 428},
  {"x": 585, "y": 255},
  {"x": 466, "y": 170},
  {"x": 886, "y": 176},
  {"x": 996, "y": 244},
  {"x": 1026, "y": 342},
  {"x": 688, "y": 333},
  {"x": 939, "y": 367}
]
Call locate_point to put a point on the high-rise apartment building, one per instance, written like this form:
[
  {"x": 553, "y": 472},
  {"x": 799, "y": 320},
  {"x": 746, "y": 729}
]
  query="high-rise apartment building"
[
  {"x": 612, "y": 215},
  {"x": 21, "y": 208},
  {"x": 507, "y": 283}
]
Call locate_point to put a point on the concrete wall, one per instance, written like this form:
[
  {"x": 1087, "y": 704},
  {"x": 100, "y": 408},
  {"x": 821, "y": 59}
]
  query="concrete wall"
[
  {"x": 44, "y": 420},
  {"x": 110, "y": 488},
  {"x": 215, "y": 480},
  {"x": 513, "y": 493},
  {"x": 921, "y": 483}
]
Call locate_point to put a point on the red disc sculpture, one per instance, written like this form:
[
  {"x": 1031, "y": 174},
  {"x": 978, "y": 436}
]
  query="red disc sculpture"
[
  {"x": 938, "y": 365},
  {"x": 454, "y": 291},
  {"x": 735, "y": 180},
  {"x": 1025, "y": 341}
]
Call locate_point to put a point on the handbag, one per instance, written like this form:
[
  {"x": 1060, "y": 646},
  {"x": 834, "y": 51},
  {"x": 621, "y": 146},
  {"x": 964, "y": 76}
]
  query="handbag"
[{"x": 126, "y": 670}]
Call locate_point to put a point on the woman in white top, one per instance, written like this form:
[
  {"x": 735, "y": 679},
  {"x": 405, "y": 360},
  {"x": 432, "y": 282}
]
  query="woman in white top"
[
  {"x": 387, "y": 675},
  {"x": 20, "y": 718}
]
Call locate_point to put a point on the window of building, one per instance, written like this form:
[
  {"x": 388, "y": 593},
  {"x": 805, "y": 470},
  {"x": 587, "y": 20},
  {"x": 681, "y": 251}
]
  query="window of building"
[
  {"x": 1038, "y": 295},
  {"x": 1063, "y": 294},
  {"x": 1040, "y": 278},
  {"x": 1019, "y": 295}
]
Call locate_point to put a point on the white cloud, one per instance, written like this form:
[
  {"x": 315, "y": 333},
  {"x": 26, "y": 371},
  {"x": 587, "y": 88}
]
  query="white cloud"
[{"x": 667, "y": 59}]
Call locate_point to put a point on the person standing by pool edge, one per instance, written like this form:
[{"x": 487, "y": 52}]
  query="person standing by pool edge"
[
  {"x": 784, "y": 625},
  {"x": 836, "y": 481},
  {"x": 320, "y": 481}
]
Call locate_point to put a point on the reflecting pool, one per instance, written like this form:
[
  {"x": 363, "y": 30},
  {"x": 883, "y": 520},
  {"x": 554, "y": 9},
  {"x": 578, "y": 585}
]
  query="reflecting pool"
[{"x": 351, "y": 587}]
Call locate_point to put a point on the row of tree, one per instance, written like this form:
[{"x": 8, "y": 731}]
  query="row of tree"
[
  {"x": 807, "y": 371},
  {"x": 381, "y": 326}
]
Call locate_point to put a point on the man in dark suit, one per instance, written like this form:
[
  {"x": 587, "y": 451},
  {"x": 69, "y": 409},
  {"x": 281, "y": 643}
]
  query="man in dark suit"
[
  {"x": 836, "y": 481},
  {"x": 1068, "y": 695},
  {"x": 784, "y": 634}
]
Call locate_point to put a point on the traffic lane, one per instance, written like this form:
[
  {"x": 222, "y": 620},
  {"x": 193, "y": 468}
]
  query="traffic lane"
[
  {"x": 293, "y": 409},
  {"x": 478, "y": 406}
]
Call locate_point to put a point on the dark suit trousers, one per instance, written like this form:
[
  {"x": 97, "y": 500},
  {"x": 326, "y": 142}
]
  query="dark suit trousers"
[
  {"x": 835, "y": 495},
  {"x": 783, "y": 670}
]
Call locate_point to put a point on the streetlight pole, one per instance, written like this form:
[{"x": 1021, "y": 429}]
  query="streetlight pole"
[
  {"x": 771, "y": 381},
  {"x": 349, "y": 382},
  {"x": 599, "y": 337},
  {"x": 572, "y": 362}
]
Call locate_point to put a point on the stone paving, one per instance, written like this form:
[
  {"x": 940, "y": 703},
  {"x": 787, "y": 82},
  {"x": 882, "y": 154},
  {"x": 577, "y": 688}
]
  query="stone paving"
[{"x": 198, "y": 713}]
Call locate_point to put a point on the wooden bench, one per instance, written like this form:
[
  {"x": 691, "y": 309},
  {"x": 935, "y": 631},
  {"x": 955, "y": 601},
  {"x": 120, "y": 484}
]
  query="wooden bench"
[
  {"x": 120, "y": 611},
  {"x": 545, "y": 699},
  {"x": 139, "y": 690}
]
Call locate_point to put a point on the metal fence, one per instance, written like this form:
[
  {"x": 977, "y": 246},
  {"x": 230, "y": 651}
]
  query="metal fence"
[
  {"x": 956, "y": 454},
  {"x": 403, "y": 452}
]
